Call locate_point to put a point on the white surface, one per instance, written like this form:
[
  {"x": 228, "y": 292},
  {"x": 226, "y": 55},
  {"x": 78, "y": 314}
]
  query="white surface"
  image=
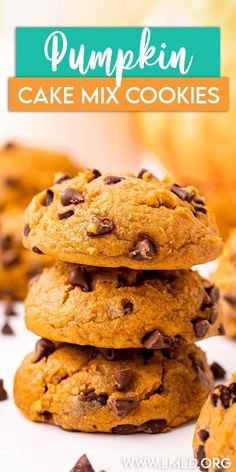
[{"x": 29, "y": 447}]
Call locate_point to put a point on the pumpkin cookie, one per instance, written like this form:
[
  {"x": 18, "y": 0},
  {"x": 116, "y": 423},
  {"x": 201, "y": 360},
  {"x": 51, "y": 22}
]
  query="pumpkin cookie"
[
  {"x": 122, "y": 308},
  {"x": 121, "y": 392},
  {"x": 17, "y": 265},
  {"x": 112, "y": 221},
  {"x": 225, "y": 277},
  {"x": 25, "y": 171},
  {"x": 215, "y": 434}
]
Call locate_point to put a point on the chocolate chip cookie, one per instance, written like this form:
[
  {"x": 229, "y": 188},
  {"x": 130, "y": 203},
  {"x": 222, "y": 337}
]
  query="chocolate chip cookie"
[
  {"x": 113, "y": 221},
  {"x": 120, "y": 392},
  {"x": 122, "y": 308},
  {"x": 215, "y": 433},
  {"x": 25, "y": 171},
  {"x": 225, "y": 276},
  {"x": 17, "y": 265}
]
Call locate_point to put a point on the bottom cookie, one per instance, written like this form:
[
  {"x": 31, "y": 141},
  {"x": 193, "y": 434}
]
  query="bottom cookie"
[
  {"x": 215, "y": 434},
  {"x": 112, "y": 391}
]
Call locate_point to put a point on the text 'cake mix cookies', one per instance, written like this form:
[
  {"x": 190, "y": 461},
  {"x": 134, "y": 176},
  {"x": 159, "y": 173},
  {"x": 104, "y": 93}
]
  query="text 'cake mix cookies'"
[
  {"x": 112, "y": 221},
  {"x": 215, "y": 433},
  {"x": 151, "y": 309},
  {"x": 225, "y": 277},
  {"x": 120, "y": 392}
]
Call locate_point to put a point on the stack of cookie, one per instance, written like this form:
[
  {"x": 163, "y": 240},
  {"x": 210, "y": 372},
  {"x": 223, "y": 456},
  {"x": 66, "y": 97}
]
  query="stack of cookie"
[
  {"x": 120, "y": 309},
  {"x": 23, "y": 172}
]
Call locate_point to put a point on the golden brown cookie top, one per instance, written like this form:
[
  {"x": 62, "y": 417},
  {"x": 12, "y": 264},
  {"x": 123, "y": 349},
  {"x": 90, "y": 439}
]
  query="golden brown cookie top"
[
  {"x": 137, "y": 222},
  {"x": 25, "y": 171},
  {"x": 122, "y": 308},
  {"x": 215, "y": 432}
]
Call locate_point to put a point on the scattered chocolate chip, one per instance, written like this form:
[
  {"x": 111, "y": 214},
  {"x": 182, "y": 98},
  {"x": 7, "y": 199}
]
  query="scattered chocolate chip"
[
  {"x": 99, "y": 226},
  {"x": 199, "y": 209},
  {"x": 214, "y": 399},
  {"x": 232, "y": 388},
  {"x": 79, "y": 277},
  {"x": 218, "y": 371},
  {"x": 9, "y": 309},
  {"x": 11, "y": 182},
  {"x": 124, "y": 429},
  {"x": 122, "y": 406},
  {"x": 221, "y": 330},
  {"x": 200, "y": 455},
  {"x": 111, "y": 180},
  {"x": 141, "y": 173},
  {"x": 144, "y": 249},
  {"x": 96, "y": 174},
  {"x": 43, "y": 348},
  {"x": 63, "y": 178},
  {"x": 63, "y": 215},
  {"x": 108, "y": 353},
  {"x": 154, "y": 426},
  {"x": 83, "y": 465},
  {"x": 201, "y": 327},
  {"x": 127, "y": 306},
  {"x": 199, "y": 201},
  {"x": 225, "y": 396},
  {"x": 5, "y": 242},
  {"x": 71, "y": 196},
  {"x": 155, "y": 340},
  {"x": 10, "y": 258},
  {"x": 213, "y": 314},
  {"x": 37, "y": 250},
  {"x": 7, "y": 329},
  {"x": 203, "y": 434},
  {"x": 214, "y": 293},
  {"x": 3, "y": 393},
  {"x": 10, "y": 145},
  {"x": 26, "y": 230},
  {"x": 123, "y": 378},
  {"x": 182, "y": 193},
  {"x": 47, "y": 415},
  {"x": 230, "y": 299},
  {"x": 48, "y": 198},
  {"x": 93, "y": 396},
  {"x": 198, "y": 366}
]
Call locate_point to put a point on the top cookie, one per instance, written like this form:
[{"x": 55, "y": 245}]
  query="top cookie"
[
  {"x": 25, "y": 171},
  {"x": 137, "y": 222}
]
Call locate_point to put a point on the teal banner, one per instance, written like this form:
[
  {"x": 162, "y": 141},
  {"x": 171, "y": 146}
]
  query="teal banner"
[{"x": 117, "y": 52}]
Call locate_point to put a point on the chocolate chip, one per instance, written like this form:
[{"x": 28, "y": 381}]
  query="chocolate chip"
[
  {"x": 214, "y": 293},
  {"x": 108, "y": 353},
  {"x": 230, "y": 299},
  {"x": 5, "y": 242},
  {"x": 200, "y": 455},
  {"x": 155, "y": 340},
  {"x": 63, "y": 215},
  {"x": 221, "y": 330},
  {"x": 154, "y": 426},
  {"x": 83, "y": 465},
  {"x": 214, "y": 399},
  {"x": 232, "y": 388},
  {"x": 26, "y": 230},
  {"x": 199, "y": 209},
  {"x": 10, "y": 258},
  {"x": 9, "y": 145},
  {"x": 203, "y": 434},
  {"x": 47, "y": 415},
  {"x": 182, "y": 193},
  {"x": 144, "y": 249},
  {"x": 48, "y": 198},
  {"x": 9, "y": 309},
  {"x": 37, "y": 250},
  {"x": 63, "y": 178},
  {"x": 11, "y": 182},
  {"x": 3, "y": 393},
  {"x": 199, "y": 201},
  {"x": 99, "y": 226},
  {"x": 111, "y": 180},
  {"x": 92, "y": 396},
  {"x": 124, "y": 429},
  {"x": 213, "y": 314},
  {"x": 123, "y": 378},
  {"x": 222, "y": 395},
  {"x": 218, "y": 371},
  {"x": 201, "y": 327},
  {"x": 71, "y": 196},
  {"x": 6, "y": 329},
  {"x": 96, "y": 174},
  {"x": 43, "y": 348},
  {"x": 79, "y": 277},
  {"x": 225, "y": 396},
  {"x": 122, "y": 406},
  {"x": 141, "y": 173},
  {"x": 127, "y": 306}
]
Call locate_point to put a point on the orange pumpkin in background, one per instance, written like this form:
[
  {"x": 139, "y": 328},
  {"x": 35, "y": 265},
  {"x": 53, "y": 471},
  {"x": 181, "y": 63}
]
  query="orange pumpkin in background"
[{"x": 199, "y": 148}]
